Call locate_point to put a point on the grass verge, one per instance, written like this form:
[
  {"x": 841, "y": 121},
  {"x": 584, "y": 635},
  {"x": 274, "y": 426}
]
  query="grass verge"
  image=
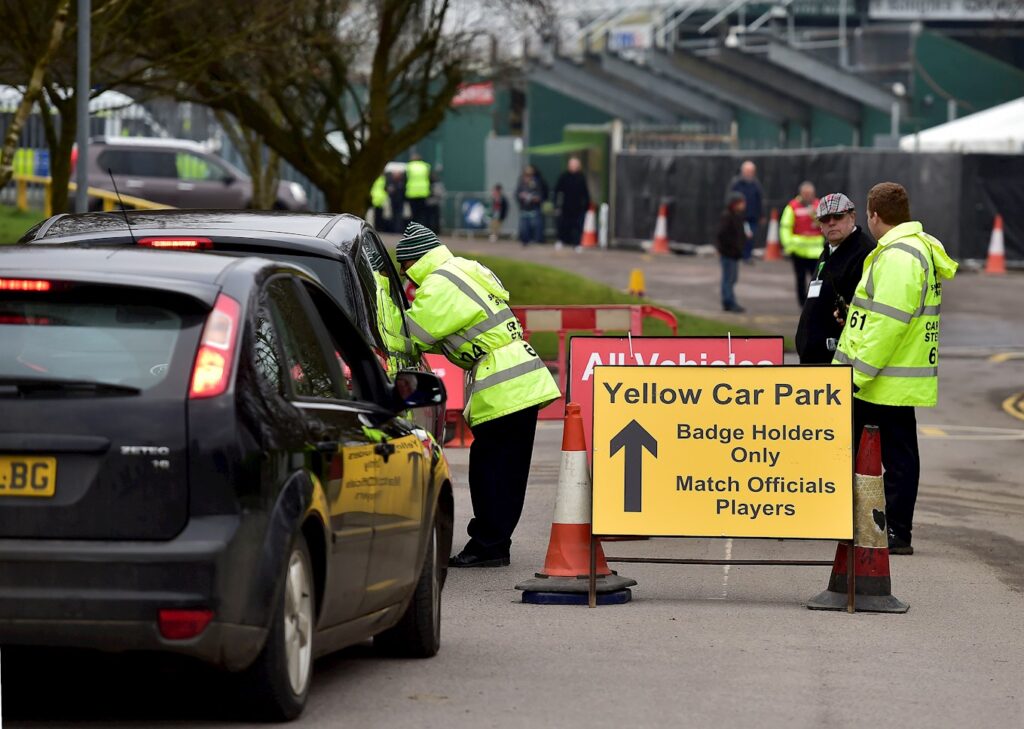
[
  {"x": 14, "y": 223},
  {"x": 532, "y": 283}
]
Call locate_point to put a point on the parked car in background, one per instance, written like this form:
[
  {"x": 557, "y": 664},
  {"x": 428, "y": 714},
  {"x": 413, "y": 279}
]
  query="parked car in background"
[
  {"x": 179, "y": 173},
  {"x": 200, "y": 454}
]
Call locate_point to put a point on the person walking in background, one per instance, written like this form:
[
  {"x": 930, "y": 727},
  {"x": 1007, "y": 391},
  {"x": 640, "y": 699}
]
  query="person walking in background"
[
  {"x": 499, "y": 211},
  {"x": 530, "y": 196},
  {"x": 891, "y": 341},
  {"x": 417, "y": 187},
  {"x": 801, "y": 238},
  {"x": 571, "y": 202},
  {"x": 461, "y": 309},
  {"x": 836, "y": 275},
  {"x": 731, "y": 235},
  {"x": 396, "y": 194},
  {"x": 747, "y": 184}
]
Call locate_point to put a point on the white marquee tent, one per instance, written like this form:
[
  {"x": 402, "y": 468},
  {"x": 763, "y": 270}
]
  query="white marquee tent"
[{"x": 999, "y": 129}]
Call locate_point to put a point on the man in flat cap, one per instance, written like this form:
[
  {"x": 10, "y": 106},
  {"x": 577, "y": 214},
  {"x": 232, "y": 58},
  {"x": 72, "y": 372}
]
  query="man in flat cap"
[
  {"x": 461, "y": 310},
  {"x": 836, "y": 274}
]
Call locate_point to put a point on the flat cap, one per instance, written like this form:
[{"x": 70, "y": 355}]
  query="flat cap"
[{"x": 833, "y": 203}]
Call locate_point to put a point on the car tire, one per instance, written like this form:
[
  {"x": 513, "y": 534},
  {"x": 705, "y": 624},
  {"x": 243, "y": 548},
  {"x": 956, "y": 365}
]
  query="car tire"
[
  {"x": 275, "y": 687},
  {"x": 418, "y": 633}
]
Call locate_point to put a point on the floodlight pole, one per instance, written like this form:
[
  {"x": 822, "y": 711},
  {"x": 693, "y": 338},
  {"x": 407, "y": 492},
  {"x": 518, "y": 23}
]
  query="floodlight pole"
[{"x": 82, "y": 106}]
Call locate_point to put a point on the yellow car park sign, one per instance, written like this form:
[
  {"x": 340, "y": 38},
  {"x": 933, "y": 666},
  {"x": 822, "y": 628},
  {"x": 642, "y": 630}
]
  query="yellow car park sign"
[{"x": 723, "y": 452}]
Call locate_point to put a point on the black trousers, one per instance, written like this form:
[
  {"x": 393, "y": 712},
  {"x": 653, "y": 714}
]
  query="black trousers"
[
  {"x": 803, "y": 269},
  {"x": 499, "y": 467},
  {"x": 897, "y": 428},
  {"x": 418, "y": 208}
]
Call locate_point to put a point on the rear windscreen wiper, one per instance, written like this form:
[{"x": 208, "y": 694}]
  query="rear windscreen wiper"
[{"x": 35, "y": 385}]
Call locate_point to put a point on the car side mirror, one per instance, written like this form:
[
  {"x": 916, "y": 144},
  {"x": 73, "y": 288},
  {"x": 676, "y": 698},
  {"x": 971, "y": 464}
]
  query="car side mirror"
[
  {"x": 228, "y": 180},
  {"x": 414, "y": 389}
]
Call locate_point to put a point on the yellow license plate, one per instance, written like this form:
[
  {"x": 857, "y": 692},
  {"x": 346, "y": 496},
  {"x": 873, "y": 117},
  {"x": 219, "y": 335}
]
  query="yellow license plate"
[{"x": 28, "y": 476}]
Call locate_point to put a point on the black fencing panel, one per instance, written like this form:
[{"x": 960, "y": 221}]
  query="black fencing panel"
[
  {"x": 954, "y": 196},
  {"x": 998, "y": 188}
]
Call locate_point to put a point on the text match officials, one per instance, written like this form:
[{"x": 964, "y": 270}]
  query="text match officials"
[{"x": 723, "y": 451}]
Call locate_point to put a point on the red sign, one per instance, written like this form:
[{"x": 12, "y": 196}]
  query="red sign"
[
  {"x": 585, "y": 353},
  {"x": 454, "y": 380},
  {"x": 481, "y": 94}
]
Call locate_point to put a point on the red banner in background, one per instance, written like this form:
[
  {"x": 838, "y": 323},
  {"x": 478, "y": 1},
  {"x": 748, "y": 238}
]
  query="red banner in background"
[
  {"x": 481, "y": 94},
  {"x": 585, "y": 353},
  {"x": 454, "y": 378}
]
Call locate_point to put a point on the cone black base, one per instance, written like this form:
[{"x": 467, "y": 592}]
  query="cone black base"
[
  {"x": 575, "y": 585},
  {"x": 829, "y": 600}
]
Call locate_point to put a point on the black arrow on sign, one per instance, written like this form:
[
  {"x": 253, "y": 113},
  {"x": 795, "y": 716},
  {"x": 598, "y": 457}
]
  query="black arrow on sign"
[{"x": 634, "y": 438}]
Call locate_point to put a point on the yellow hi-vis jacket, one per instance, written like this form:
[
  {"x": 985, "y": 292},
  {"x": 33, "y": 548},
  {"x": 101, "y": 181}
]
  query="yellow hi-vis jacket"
[
  {"x": 797, "y": 232},
  {"x": 461, "y": 309},
  {"x": 417, "y": 179},
  {"x": 378, "y": 192},
  {"x": 891, "y": 337},
  {"x": 401, "y": 350}
]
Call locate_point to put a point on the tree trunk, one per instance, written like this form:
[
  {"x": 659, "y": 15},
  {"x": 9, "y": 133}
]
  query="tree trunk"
[
  {"x": 60, "y": 143},
  {"x": 263, "y": 168},
  {"x": 32, "y": 92}
]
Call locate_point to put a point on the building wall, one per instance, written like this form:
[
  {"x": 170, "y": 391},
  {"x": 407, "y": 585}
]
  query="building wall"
[
  {"x": 548, "y": 112},
  {"x": 946, "y": 68},
  {"x": 756, "y": 131}
]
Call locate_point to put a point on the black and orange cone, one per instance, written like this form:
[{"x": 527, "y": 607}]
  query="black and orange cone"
[
  {"x": 873, "y": 585},
  {"x": 564, "y": 578}
]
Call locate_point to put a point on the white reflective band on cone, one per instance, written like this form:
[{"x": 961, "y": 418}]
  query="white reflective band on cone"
[{"x": 572, "y": 502}]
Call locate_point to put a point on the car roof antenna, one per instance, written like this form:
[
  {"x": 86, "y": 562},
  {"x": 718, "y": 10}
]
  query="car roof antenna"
[{"x": 123, "y": 211}]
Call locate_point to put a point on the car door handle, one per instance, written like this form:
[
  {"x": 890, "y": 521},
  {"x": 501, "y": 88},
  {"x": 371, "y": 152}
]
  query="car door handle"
[
  {"x": 385, "y": 450},
  {"x": 328, "y": 446},
  {"x": 186, "y": 186},
  {"x": 134, "y": 183}
]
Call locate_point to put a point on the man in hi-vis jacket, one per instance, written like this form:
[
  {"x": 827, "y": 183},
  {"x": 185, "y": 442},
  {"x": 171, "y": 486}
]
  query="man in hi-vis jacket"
[
  {"x": 461, "y": 310},
  {"x": 891, "y": 339}
]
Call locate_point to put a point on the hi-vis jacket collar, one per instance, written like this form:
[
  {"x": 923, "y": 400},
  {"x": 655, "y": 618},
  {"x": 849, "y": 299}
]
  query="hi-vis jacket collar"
[{"x": 945, "y": 267}]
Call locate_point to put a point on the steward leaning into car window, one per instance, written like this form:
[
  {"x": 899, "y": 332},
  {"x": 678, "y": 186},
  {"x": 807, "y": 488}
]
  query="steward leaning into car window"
[
  {"x": 461, "y": 309},
  {"x": 401, "y": 350}
]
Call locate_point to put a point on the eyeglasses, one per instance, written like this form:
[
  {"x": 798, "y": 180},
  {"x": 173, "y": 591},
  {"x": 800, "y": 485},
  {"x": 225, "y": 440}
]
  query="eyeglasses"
[{"x": 832, "y": 218}]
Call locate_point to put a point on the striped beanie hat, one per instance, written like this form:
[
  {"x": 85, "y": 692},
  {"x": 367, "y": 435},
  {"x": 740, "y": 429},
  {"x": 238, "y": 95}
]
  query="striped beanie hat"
[
  {"x": 376, "y": 259},
  {"x": 416, "y": 240}
]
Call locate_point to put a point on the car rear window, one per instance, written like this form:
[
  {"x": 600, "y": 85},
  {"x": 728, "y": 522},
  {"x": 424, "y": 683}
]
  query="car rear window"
[{"x": 108, "y": 335}]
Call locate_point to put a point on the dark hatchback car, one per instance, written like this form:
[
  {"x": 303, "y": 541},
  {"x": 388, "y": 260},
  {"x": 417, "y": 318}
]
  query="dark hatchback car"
[
  {"x": 337, "y": 249},
  {"x": 201, "y": 454}
]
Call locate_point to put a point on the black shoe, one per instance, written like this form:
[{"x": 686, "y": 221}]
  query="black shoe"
[
  {"x": 899, "y": 545},
  {"x": 735, "y": 308},
  {"x": 468, "y": 559}
]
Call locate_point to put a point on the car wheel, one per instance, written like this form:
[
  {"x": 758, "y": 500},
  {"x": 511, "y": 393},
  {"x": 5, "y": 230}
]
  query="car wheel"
[
  {"x": 277, "y": 684},
  {"x": 418, "y": 633}
]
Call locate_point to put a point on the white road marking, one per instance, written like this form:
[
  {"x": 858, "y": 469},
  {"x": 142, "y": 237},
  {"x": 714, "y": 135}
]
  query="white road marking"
[{"x": 969, "y": 432}]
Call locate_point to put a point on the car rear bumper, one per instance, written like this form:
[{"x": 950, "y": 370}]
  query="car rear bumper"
[{"x": 107, "y": 595}]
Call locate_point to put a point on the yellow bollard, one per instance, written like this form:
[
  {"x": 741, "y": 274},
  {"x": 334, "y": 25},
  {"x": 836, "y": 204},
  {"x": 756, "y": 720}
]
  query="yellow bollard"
[
  {"x": 47, "y": 199},
  {"x": 23, "y": 196},
  {"x": 636, "y": 283},
  {"x": 108, "y": 204}
]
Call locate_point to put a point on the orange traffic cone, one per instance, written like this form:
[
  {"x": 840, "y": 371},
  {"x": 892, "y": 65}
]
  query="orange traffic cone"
[
  {"x": 772, "y": 249},
  {"x": 589, "y": 239},
  {"x": 996, "y": 262},
  {"x": 567, "y": 564},
  {"x": 872, "y": 584},
  {"x": 660, "y": 244}
]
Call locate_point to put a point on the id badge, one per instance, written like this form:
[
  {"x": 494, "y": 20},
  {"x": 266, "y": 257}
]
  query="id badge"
[{"x": 814, "y": 290}]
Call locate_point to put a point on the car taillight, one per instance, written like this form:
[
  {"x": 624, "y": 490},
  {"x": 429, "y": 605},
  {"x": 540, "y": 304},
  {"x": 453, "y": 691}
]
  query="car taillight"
[
  {"x": 212, "y": 369},
  {"x": 177, "y": 244},
  {"x": 183, "y": 624},
  {"x": 24, "y": 284}
]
